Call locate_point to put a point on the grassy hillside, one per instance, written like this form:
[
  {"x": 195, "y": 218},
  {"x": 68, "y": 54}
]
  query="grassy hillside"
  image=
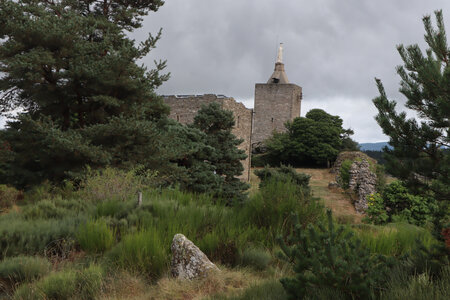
[{"x": 96, "y": 243}]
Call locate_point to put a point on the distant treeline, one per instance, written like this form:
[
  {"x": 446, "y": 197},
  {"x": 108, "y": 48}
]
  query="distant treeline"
[{"x": 378, "y": 155}]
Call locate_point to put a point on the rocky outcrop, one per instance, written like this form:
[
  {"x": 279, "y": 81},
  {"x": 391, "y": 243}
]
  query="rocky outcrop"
[
  {"x": 188, "y": 261},
  {"x": 363, "y": 182}
]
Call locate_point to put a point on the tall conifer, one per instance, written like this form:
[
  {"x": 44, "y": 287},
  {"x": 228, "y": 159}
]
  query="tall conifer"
[
  {"x": 71, "y": 70},
  {"x": 420, "y": 153}
]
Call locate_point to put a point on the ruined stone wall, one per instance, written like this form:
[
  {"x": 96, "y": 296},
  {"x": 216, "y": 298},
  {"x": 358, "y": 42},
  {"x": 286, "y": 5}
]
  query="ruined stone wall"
[
  {"x": 274, "y": 105},
  {"x": 183, "y": 108},
  {"x": 362, "y": 180}
]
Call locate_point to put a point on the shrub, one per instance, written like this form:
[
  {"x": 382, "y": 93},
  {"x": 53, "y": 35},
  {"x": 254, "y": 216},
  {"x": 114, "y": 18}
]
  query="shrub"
[
  {"x": 398, "y": 204},
  {"x": 344, "y": 172},
  {"x": 258, "y": 259},
  {"x": 272, "y": 206},
  {"x": 95, "y": 236},
  {"x": 114, "y": 184},
  {"x": 8, "y": 196},
  {"x": 376, "y": 211},
  {"x": 61, "y": 285},
  {"x": 283, "y": 173},
  {"x": 89, "y": 282},
  {"x": 331, "y": 259},
  {"x": 65, "y": 284},
  {"x": 19, "y": 269},
  {"x": 141, "y": 252},
  {"x": 19, "y": 236}
]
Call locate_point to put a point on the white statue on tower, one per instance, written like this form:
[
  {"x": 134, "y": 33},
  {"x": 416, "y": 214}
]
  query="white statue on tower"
[{"x": 280, "y": 54}]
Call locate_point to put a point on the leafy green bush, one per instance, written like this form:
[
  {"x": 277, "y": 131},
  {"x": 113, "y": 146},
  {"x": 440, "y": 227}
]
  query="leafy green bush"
[
  {"x": 259, "y": 259},
  {"x": 141, "y": 252},
  {"x": 397, "y": 204},
  {"x": 344, "y": 172},
  {"x": 95, "y": 236},
  {"x": 376, "y": 211},
  {"x": 331, "y": 259},
  {"x": 23, "y": 268}
]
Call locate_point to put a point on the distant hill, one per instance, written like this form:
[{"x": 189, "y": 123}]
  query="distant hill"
[{"x": 373, "y": 146}]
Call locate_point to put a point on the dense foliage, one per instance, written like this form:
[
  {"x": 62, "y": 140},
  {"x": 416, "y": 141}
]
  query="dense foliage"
[
  {"x": 315, "y": 139},
  {"x": 419, "y": 155},
  {"x": 70, "y": 69},
  {"x": 395, "y": 203}
]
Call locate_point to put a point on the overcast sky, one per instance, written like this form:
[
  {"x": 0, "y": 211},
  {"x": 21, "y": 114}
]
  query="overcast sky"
[{"x": 333, "y": 49}]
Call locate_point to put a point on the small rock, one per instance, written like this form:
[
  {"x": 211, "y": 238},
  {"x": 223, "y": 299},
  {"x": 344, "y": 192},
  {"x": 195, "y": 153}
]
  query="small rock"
[
  {"x": 188, "y": 261},
  {"x": 333, "y": 185}
]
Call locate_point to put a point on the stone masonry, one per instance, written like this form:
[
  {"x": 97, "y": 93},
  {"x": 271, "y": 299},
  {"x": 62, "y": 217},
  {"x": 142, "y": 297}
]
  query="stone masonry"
[
  {"x": 183, "y": 108},
  {"x": 275, "y": 104}
]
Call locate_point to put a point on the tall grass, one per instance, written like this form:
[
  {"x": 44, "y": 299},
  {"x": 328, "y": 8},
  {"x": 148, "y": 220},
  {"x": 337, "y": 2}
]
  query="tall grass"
[
  {"x": 418, "y": 286},
  {"x": 95, "y": 236},
  {"x": 394, "y": 239},
  {"x": 141, "y": 252}
]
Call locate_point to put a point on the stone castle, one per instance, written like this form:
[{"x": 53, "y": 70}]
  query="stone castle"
[{"x": 275, "y": 103}]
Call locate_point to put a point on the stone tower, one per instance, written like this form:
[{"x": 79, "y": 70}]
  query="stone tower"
[{"x": 276, "y": 102}]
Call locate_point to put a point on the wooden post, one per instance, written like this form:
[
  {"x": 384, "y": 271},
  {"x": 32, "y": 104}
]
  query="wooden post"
[{"x": 139, "y": 202}]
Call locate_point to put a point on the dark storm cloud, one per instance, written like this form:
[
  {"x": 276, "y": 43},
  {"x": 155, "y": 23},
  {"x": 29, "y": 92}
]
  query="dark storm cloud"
[{"x": 333, "y": 49}]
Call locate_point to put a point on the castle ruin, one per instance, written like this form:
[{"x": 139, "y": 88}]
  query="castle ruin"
[{"x": 275, "y": 103}]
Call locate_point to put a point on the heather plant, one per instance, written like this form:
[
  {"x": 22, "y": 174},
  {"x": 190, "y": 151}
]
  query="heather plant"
[
  {"x": 256, "y": 258},
  {"x": 65, "y": 284},
  {"x": 15, "y": 270},
  {"x": 141, "y": 252},
  {"x": 95, "y": 236},
  {"x": 329, "y": 258}
]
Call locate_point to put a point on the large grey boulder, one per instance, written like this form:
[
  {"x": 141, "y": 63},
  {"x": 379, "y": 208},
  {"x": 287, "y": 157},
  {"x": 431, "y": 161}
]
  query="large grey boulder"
[{"x": 188, "y": 261}]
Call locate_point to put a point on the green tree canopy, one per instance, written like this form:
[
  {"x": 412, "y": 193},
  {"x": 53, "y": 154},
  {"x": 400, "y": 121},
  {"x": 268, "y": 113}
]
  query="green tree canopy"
[
  {"x": 314, "y": 139},
  {"x": 420, "y": 154},
  {"x": 70, "y": 68}
]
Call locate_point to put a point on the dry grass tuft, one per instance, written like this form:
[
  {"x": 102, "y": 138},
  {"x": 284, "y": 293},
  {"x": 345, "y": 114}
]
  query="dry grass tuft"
[{"x": 127, "y": 286}]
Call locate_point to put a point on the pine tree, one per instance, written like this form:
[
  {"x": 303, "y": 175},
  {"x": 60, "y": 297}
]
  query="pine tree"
[
  {"x": 71, "y": 70},
  {"x": 330, "y": 260},
  {"x": 420, "y": 154},
  {"x": 226, "y": 158}
]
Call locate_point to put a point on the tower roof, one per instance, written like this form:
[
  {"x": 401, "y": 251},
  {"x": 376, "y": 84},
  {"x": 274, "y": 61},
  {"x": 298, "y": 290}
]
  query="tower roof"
[{"x": 279, "y": 75}]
